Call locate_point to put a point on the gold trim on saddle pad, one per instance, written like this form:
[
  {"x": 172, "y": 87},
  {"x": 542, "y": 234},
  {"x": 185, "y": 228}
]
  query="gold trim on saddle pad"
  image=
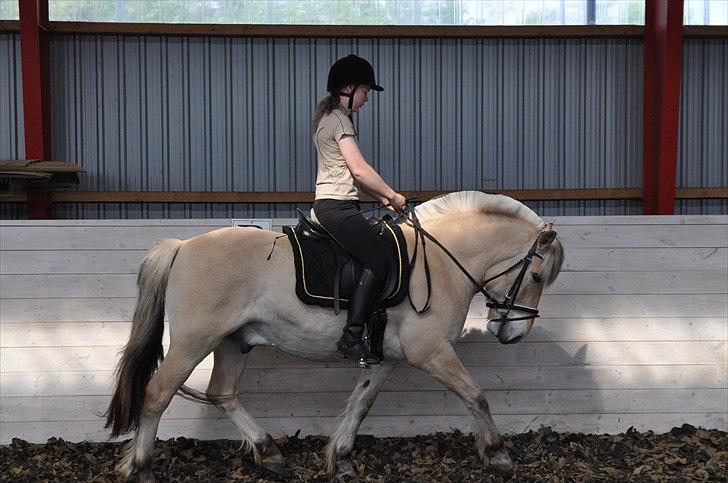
[{"x": 303, "y": 268}]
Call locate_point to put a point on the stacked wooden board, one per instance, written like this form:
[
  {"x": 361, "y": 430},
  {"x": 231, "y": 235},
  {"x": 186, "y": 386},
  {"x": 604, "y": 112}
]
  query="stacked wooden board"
[{"x": 633, "y": 333}]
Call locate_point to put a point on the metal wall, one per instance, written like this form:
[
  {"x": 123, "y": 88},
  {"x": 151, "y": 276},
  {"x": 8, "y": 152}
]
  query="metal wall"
[
  {"x": 12, "y": 143},
  {"x": 231, "y": 114},
  {"x": 155, "y": 113},
  {"x": 703, "y": 151}
]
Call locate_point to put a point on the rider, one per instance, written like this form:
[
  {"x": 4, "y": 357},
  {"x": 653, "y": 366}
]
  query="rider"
[{"x": 342, "y": 174}]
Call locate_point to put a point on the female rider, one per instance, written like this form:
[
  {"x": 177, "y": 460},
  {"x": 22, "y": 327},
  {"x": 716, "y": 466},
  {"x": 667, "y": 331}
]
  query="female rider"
[{"x": 342, "y": 174}]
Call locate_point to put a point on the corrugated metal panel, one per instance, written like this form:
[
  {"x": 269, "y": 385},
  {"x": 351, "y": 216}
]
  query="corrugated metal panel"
[
  {"x": 155, "y": 113},
  {"x": 12, "y": 143},
  {"x": 11, "y": 99},
  {"x": 703, "y": 150}
]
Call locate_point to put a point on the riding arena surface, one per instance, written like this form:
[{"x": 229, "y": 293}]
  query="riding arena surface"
[{"x": 683, "y": 454}]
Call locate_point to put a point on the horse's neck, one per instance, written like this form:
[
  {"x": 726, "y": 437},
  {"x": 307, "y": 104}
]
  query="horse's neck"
[{"x": 478, "y": 243}]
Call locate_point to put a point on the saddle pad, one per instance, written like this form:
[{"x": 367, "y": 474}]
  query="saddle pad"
[{"x": 316, "y": 265}]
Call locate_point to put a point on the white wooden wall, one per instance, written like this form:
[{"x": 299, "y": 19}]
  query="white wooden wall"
[{"x": 634, "y": 333}]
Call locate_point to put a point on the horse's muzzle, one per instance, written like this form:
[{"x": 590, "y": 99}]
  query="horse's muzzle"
[{"x": 508, "y": 332}]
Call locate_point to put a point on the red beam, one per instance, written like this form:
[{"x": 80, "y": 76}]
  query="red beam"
[
  {"x": 663, "y": 68},
  {"x": 36, "y": 94}
]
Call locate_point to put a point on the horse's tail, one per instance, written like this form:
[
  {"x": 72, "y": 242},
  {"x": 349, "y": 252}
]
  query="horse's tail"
[{"x": 143, "y": 352}]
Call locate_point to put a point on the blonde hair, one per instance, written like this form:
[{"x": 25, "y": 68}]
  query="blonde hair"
[{"x": 327, "y": 104}]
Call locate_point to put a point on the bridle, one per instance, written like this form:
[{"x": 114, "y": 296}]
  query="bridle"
[{"x": 504, "y": 307}]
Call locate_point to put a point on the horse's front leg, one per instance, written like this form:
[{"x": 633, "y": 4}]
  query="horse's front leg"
[
  {"x": 441, "y": 362},
  {"x": 338, "y": 449}
]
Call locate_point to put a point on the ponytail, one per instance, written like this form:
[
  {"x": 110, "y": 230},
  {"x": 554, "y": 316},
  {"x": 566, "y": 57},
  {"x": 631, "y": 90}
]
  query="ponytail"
[{"x": 327, "y": 104}]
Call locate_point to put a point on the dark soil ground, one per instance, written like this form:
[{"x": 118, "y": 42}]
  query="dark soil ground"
[{"x": 684, "y": 454}]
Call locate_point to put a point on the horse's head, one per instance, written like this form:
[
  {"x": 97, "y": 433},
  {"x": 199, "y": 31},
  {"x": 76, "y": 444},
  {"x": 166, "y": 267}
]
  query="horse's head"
[
  {"x": 516, "y": 284},
  {"x": 519, "y": 254}
]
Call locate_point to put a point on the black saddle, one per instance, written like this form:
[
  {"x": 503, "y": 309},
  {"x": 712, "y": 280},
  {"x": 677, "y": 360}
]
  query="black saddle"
[{"x": 326, "y": 274}]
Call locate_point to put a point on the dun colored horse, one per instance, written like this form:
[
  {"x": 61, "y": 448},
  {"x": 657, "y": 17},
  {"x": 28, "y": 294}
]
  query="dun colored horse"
[{"x": 223, "y": 295}]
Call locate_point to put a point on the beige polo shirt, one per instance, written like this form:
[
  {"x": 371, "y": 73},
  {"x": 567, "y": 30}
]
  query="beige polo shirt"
[{"x": 334, "y": 180}]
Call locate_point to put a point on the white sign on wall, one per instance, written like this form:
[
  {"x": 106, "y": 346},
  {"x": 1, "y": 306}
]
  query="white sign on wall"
[{"x": 263, "y": 223}]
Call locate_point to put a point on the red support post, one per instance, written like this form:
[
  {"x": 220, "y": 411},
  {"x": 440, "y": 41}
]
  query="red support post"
[
  {"x": 663, "y": 69},
  {"x": 36, "y": 94}
]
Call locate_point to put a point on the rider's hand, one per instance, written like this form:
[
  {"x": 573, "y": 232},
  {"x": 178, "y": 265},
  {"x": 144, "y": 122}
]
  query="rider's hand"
[{"x": 397, "y": 202}]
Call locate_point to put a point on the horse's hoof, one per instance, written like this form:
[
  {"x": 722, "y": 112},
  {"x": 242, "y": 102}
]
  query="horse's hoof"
[
  {"x": 145, "y": 477},
  {"x": 501, "y": 459},
  {"x": 275, "y": 467},
  {"x": 502, "y": 470},
  {"x": 499, "y": 463},
  {"x": 344, "y": 469}
]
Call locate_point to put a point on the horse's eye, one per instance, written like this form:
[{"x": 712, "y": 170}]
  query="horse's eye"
[{"x": 536, "y": 277}]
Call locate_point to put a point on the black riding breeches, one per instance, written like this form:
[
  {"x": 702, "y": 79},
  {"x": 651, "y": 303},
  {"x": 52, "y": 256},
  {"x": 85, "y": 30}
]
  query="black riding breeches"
[{"x": 343, "y": 219}]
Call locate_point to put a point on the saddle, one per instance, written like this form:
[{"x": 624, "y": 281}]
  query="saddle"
[{"x": 326, "y": 273}]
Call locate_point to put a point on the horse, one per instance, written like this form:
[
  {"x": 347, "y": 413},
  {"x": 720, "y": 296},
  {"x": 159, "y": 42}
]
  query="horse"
[{"x": 229, "y": 308}]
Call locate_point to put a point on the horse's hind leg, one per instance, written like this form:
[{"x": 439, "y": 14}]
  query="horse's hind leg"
[
  {"x": 339, "y": 447},
  {"x": 174, "y": 370},
  {"x": 223, "y": 387},
  {"x": 441, "y": 362}
]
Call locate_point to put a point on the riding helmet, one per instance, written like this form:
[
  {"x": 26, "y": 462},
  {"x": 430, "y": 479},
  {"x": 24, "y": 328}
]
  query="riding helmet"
[{"x": 351, "y": 70}]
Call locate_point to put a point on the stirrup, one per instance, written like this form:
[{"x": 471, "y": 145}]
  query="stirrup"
[{"x": 357, "y": 353}]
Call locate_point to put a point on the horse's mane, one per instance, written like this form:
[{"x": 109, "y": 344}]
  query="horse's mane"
[
  {"x": 477, "y": 202},
  {"x": 491, "y": 204}
]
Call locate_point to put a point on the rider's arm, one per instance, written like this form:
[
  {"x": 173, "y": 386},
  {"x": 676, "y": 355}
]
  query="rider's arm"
[
  {"x": 377, "y": 197},
  {"x": 362, "y": 172}
]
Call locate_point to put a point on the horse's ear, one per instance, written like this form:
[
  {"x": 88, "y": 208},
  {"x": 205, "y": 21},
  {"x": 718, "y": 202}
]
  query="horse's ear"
[{"x": 547, "y": 236}]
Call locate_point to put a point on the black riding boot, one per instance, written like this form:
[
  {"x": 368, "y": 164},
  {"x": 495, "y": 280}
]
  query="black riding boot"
[{"x": 361, "y": 307}]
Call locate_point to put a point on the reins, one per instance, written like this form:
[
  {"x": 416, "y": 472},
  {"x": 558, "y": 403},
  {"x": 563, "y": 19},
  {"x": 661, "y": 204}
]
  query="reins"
[{"x": 507, "y": 304}]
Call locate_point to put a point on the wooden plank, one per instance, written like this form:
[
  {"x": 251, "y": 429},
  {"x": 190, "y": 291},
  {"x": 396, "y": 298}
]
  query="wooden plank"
[
  {"x": 576, "y": 259},
  {"x": 403, "y": 378},
  {"x": 118, "y": 223},
  {"x": 65, "y": 359},
  {"x": 717, "y": 192},
  {"x": 705, "y": 31},
  {"x": 594, "y": 353},
  {"x": 640, "y": 283},
  {"x": 637, "y": 220},
  {"x": 606, "y": 329},
  {"x": 44, "y": 166},
  {"x": 648, "y": 236},
  {"x": 538, "y": 194},
  {"x": 553, "y": 306},
  {"x": 10, "y": 26},
  {"x": 68, "y": 286},
  {"x": 384, "y": 426},
  {"x": 573, "y": 306},
  {"x": 381, "y": 426},
  {"x": 391, "y": 403},
  {"x": 220, "y": 222},
  {"x": 114, "y": 334},
  {"x": 495, "y": 378},
  {"x": 39, "y": 432},
  {"x": 98, "y": 309},
  {"x": 118, "y": 238},
  {"x": 70, "y": 262},
  {"x": 92, "y": 358},
  {"x": 639, "y": 259},
  {"x": 354, "y": 31},
  {"x": 568, "y": 283},
  {"x": 96, "y": 238},
  {"x": 308, "y": 196}
]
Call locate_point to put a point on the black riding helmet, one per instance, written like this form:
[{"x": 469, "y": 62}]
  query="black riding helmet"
[{"x": 351, "y": 70}]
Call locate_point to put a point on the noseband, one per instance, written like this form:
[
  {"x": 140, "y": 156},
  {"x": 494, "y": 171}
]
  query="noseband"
[{"x": 503, "y": 308}]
